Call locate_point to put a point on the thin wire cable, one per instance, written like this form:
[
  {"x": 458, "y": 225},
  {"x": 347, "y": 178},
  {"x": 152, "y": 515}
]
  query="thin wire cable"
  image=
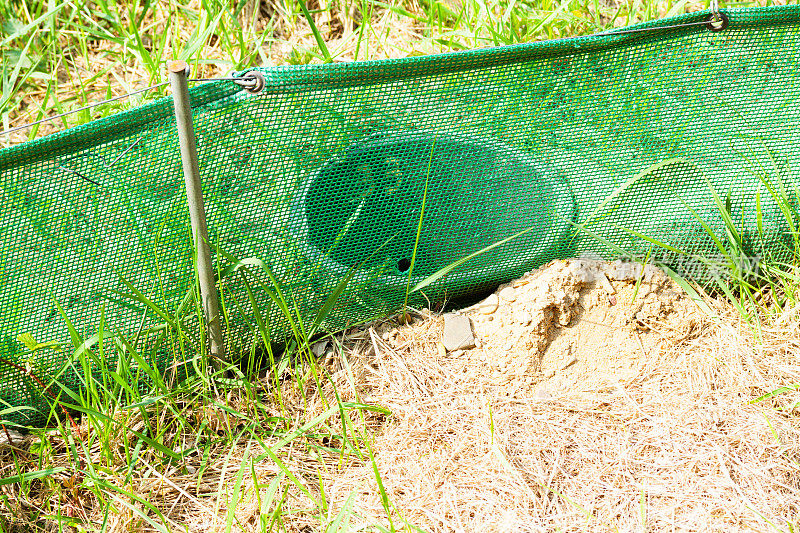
[
  {"x": 84, "y": 108},
  {"x": 242, "y": 81},
  {"x": 611, "y": 33}
]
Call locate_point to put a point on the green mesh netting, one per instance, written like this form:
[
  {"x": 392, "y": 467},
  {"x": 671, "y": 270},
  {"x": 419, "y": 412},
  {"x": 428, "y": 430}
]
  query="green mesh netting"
[{"x": 592, "y": 142}]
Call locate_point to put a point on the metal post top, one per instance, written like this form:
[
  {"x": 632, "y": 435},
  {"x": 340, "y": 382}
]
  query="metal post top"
[{"x": 178, "y": 66}]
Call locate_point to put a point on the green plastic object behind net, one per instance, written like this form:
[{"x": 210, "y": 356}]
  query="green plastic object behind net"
[{"x": 596, "y": 145}]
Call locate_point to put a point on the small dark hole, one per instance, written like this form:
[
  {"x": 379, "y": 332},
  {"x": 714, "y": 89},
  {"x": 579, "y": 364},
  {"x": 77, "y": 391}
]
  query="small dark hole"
[{"x": 403, "y": 265}]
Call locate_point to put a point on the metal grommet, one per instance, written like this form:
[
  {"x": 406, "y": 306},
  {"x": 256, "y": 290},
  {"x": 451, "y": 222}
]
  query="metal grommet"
[
  {"x": 253, "y": 82},
  {"x": 717, "y": 21}
]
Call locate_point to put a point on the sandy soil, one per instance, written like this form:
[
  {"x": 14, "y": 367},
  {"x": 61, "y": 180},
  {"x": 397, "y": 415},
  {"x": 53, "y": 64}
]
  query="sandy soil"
[{"x": 598, "y": 397}]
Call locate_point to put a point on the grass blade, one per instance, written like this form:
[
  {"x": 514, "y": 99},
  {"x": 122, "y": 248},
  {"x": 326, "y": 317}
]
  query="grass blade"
[
  {"x": 630, "y": 182},
  {"x": 455, "y": 264},
  {"x": 419, "y": 224},
  {"x": 33, "y": 24},
  {"x": 27, "y": 476},
  {"x": 317, "y": 35}
]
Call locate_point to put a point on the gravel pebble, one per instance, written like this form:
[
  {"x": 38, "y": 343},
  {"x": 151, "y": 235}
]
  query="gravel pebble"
[
  {"x": 489, "y": 305},
  {"x": 508, "y": 294}
]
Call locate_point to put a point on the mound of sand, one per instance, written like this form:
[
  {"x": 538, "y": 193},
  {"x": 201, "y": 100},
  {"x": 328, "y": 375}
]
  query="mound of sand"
[{"x": 578, "y": 325}]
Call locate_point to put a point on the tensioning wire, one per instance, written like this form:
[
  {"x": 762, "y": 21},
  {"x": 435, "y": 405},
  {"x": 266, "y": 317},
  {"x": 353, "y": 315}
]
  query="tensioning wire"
[
  {"x": 611, "y": 33},
  {"x": 241, "y": 81}
]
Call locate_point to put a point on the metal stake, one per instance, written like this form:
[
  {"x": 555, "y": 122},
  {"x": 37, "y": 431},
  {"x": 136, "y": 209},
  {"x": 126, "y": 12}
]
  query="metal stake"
[{"x": 178, "y": 75}]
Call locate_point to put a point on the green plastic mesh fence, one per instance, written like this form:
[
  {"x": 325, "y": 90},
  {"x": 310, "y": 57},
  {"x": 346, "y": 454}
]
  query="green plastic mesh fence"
[{"x": 596, "y": 145}]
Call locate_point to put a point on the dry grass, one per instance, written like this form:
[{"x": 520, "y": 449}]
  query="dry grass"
[{"x": 677, "y": 449}]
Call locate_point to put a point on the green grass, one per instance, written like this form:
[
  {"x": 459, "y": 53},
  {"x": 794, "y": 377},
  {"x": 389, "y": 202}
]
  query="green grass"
[
  {"x": 138, "y": 420},
  {"x": 218, "y": 428}
]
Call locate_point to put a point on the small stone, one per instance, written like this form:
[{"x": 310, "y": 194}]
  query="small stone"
[
  {"x": 489, "y": 305},
  {"x": 508, "y": 294},
  {"x": 668, "y": 297},
  {"x": 583, "y": 271},
  {"x": 318, "y": 348},
  {"x": 653, "y": 273},
  {"x": 15, "y": 437},
  {"x": 457, "y": 333}
]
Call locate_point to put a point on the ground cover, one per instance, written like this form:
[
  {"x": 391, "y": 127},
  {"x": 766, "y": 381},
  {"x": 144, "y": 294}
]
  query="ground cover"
[{"x": 590, "y": 403}]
